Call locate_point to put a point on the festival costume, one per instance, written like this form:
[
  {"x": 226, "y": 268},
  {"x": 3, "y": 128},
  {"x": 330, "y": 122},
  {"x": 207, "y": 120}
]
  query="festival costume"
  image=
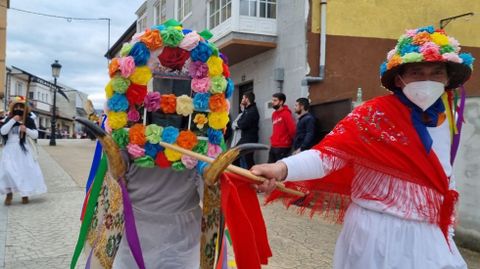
[
  {"x": 19, "y": 168},
  {"x": 387, "y": 174},
  {"x": 146, "y": 214}
]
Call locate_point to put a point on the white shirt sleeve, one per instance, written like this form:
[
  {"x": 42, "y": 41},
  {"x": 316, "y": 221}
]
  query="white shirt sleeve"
[
  {"x": 7, "y": 126},
  {"x": 33, "y": 133},
  {"x": 305, "y": 165}
]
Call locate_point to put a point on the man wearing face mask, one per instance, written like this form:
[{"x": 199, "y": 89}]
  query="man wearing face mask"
[
  {"x": 19, "y": 170},
  {"x": 387, "y": 166}
]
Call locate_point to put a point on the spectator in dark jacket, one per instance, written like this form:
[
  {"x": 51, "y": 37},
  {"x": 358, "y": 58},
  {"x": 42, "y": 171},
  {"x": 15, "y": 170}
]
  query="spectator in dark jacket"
[
  {"x": 248, "y": 123},
  {"x": 305, "y": 135}
]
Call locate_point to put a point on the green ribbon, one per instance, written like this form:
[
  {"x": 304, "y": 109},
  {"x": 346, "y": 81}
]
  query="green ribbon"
[
  {"x": 171, "y": 23},
  {"x": 206, "y": 34},
  {"x": 87, "y": 218}
]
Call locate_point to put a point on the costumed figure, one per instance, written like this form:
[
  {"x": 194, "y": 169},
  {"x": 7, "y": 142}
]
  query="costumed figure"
[
  {"x": 386, "y": 169},
  {"x": 168, "y": 101},
  {"x": 19, "y": 168}
]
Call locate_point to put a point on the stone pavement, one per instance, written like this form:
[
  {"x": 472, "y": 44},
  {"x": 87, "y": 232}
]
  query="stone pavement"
[{"x": 42, "y": 234}]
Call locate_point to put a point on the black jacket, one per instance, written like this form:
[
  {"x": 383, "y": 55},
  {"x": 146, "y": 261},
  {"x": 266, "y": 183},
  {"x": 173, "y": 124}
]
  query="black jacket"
[
  {"x": 305, "y": 136},
  {"x": 248, "y": 123}
]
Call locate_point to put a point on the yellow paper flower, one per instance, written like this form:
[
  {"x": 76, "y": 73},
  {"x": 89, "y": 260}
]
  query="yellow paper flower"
[
  {"x": 172, "y": 155},
  {"x": 109, "y": 90},
  {"x": 117, "y": 120},
  {"x": 215, "y": 66},
  {"x": 141, "y": 75},
  {"x": 200, "y": 120},
  {"x": 439, "y": 39},
  {"x": 184, "y": 105},
  {"x": 218, "y": 120}
]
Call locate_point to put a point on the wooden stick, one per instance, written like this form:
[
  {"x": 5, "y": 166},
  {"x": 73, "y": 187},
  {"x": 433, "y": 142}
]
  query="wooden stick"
[{"x": 231, "y": 168}]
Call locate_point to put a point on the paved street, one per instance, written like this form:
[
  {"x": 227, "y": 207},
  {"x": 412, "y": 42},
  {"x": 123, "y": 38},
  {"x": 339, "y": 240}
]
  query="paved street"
[{"x": 42, "y": 234}]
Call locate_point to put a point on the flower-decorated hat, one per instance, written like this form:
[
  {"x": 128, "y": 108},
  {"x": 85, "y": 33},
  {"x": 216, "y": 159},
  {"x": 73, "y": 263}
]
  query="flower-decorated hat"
[
  {"x": 427, "y": 45},
  {"x": 179, "y": 83},
  {"x": 17, "y": 100}
]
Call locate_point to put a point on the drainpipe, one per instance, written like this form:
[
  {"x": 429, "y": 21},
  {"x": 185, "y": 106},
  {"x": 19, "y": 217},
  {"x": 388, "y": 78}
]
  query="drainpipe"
[{"x": 323, "y": 40}]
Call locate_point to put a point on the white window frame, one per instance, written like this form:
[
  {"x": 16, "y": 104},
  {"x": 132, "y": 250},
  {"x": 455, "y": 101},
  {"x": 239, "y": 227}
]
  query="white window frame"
[
  {"x": 257, "y": 6},
  {"x": 18, "y": 88},
  {"x": 219, "y": 11},
  {"x": 179, "y": 6},
  {"x": 160, "y": 11},
  {"x": 142, "y": 23}
]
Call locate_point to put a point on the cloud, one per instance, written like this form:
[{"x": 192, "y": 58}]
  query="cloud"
[{"x": 34, "y": 42}]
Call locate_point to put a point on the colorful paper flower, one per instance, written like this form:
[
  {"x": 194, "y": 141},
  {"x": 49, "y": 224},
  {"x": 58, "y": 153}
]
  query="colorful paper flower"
[
  {"x": 161, "y": 160},
  {"x": 152, "y": 101},
  {"x": 395, "y": 61},
  {"x": 178, "y": 166},
  {"x": 121, "y": 137},
  {"x": 109, "y": 90},
  {"x": 197, "y": 70},
  {"x": 467, "y": 58},
  {"x": 173, "y": 58},
  {"x": 118, "y": 102},
  {"x": 412, "y": 57},
  {"x": 153, "y": 133},
  {"x": 218, "y": 84},
  {"x": 439, "y": 39},
  {"x": 187, "y": 139},
  {"x": 136, "y": 93},
  {"x": 117, "y": 120},
  {"x": 140, "y": 53},
  {"x": 217, "y": 103},
  {"x": 144, "y": 161},
  {"x": 125, "y": 50},
  {"x": 201, "y": 147},
  {"x": 226, "y": 70},
  {"x": 137, "y": 134},
  {"x": 171, "y": 37},
  {"x": 168, "y": 103},
  {"x": 170, "y": 134},
  {"x": 152, "y": 149},
  {"x": 421, "y": 38},
  {"x": 200, "y": 120},
  {"x": 152, "y": 39},
  {"x": 135, "y": 150},
  {"x": 230, "y": 88},
  {"x": 189, "y": 162},
  {"x": 213, "y": 150},
  {"x": 133, "y": 115},
  {"x": 127, "y": 66},
  {"x": 141, "y": 75},
  {"x": 190, "y": 41},
  {"x": 218, "y": 120},
  {"x": 200, "y": 85},
  {"x": 184, "y": 105},
  {"x": 201, "y": 52},
  {"x": 200, "y": 101},
  {"x": 120, "y": 84},
  {"x": 172, "y": 155},
  {"x": 214, "y": 136},
  {"x": 215, "y": 66},
  {"x": 113, "y": 67}
]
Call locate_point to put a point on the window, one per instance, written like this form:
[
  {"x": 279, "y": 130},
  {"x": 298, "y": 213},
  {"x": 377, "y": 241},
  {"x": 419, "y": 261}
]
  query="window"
[
  {"x": 184, "y": 8},
  {"x": 18, "y": 88},
  {"x": 259, "y": 8},
  {"x": 142, "y": 23},
  {"x": 220, "y": 11},
  {"x": 160, "y": 12},
  {"x": 31, "y": 95}
]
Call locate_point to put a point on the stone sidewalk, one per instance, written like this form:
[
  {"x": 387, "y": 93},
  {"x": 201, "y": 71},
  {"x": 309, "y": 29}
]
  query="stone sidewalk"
[{"x": 43, "y": 234}]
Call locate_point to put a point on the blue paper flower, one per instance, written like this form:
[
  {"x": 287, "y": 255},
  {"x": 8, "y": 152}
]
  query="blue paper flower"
[
  {"x": 383, "y": 68},
  {"x": 118, "y": 102},
  {"x": 407, "y": 48},
  {"x": 152, "y": 149},
  {"x": 467, "y": 58},
  {"x": 430, "y": 29},
  {"x": 201, "y": 166},
  {"x": 214, "y": 136},
  {"x": 159, "y": 27},
  {"x": 230, "y": 88},
  {"x": 200, "y": 101},
  {"x": 140, "y": 54},
  {"x": 186, "y": 31},
  {"x": 201, "y": 52},
  {"x": 170, "y": 134}
]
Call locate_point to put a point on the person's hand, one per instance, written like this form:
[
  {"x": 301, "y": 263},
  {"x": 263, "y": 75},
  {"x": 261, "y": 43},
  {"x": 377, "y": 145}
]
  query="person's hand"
[
  {"x": 17, "y": 118},
  {"x": 273, "y": 172},
  {"x": 23, "y": 129}
]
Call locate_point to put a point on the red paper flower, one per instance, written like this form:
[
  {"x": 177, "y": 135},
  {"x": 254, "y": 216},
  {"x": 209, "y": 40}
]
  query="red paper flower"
[
  {"x": 136, "y": 94},
  {"x": 432, "y": 55},
  {"x": 173, "y": 58},
  {"x": 226, "y": 71},
  {"x": 161, "y": 160}
]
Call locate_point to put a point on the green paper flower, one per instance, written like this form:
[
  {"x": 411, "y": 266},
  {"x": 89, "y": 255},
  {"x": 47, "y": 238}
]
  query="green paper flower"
[
  {"x": 145, "y": 161},
  {"x": 171, "y": 37},
  {"x": 120, "y": 84},
  {"x": 412, "y": 57},
  {"x": 214, "y": 48},
  {"x": 120, "y": 136},
  {"x": 218, "y": 84},
  {"x": 201, "y": 147},
  {"x": 178, "y": 166},
  {"x": 446, "y": 48},
  {"x": 125, "y": 49},
  {"x": 153, "y": 133}
]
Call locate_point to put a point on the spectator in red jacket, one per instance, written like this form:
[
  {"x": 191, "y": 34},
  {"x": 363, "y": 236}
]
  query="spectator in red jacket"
[{"x": 283, "y": 129}]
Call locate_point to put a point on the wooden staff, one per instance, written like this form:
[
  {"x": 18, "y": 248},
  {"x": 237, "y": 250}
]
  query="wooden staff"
[
  {"x": 231, "y": 168},
  {"x": 25, "y": 107}
]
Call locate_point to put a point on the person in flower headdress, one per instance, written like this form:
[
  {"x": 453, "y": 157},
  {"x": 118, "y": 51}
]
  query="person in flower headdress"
[
  {"x": 386, "y": 168},
  {"x": 19, "y": 170},
  {"x": 186, "y": 105}
]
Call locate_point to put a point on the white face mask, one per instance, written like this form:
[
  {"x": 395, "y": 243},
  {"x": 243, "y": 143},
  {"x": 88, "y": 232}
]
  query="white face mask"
[{"x": 424, "y": 93}]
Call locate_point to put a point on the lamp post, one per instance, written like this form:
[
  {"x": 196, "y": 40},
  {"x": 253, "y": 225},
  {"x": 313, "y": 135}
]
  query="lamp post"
[{"x": 56, "y": 67}]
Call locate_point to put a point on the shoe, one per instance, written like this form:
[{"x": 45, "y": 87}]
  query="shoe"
[
  {"x": 25, "y": 200},
  {"x": 8, "y": 198}
]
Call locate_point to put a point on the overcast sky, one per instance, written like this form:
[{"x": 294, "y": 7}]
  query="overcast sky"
[{"x": 34, "y": 42}]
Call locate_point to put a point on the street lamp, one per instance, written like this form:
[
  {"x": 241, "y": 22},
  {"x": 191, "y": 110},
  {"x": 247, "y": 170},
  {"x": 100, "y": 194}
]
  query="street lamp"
[{"x": 56, "y": 67}]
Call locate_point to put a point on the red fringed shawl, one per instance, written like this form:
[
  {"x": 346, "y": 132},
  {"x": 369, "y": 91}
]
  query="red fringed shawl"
[{"x": 376, "y": 154}]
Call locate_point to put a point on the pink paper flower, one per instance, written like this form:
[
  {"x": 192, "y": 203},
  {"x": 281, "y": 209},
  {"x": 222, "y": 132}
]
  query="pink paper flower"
[
  {"x": 198, "y": 69},
  {"x": 127, "y": 66},
  {"x": 189, "y": 162},
  {"x": 452, "y": 57},
  {"x": 133, "y": 115},
  {"x": 135, "y": 151},
  {"x": 200, "y": 85},
  {"x": 190, "y": 41},
  {"x": 152, "y": 101},
  {"x": 213, "y": 150}
]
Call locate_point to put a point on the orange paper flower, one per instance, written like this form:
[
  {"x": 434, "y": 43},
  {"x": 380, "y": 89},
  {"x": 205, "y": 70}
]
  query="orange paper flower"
[
  {"x": 137, "y": 134},
  {"x": 394, "y": 61},
  {"x": 152, "y": 39},
  {"x": 114, "y": 67},
  {"x": 217, "y": 103},
  {"x": 200, "y": 120},
  {"x": 421, "y": 38},
  {"x": 168, "y": 103},
  {"x": 187, "y": 139}
]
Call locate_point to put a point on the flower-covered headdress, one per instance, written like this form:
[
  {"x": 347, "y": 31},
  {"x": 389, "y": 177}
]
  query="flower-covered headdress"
[
  {"x": 168, "y": 52},
  {"x": 427, "y": 45},
  {"x": 18, "y": 100}
]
